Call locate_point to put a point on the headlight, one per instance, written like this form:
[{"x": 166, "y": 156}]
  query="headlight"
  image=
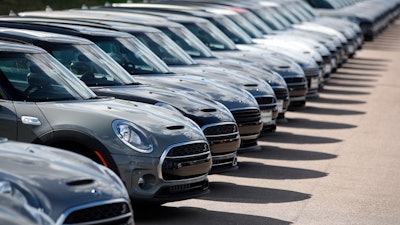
[
  {"x": 8, "y": 189},
  {"x": 132, "y": 136}
]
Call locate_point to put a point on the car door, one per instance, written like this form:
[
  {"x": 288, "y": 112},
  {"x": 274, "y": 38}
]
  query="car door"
[
  {"x": 32, "y": 124},
  {"x": 8, "y": 119}
]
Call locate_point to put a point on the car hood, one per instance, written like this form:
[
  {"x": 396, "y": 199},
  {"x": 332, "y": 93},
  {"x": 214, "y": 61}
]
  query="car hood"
[
  {"x": 201, "y": 110},
  {"x": 237, "y": 78},
  {"x": 95, "y": 117},
  {"x": 231, "y": 97},
  {"x": 58, "y": 179}
]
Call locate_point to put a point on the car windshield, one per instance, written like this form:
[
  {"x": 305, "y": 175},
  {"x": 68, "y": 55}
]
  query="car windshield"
[
  {"x": 133, "y": 55},
  {"x": 233, "y": 31},
  {"x": 40, "y": 78},
  {"x": 211, "y": 36},
  {"x": 90, "y": 64},
  {"x": 257, "y": 22},
  {"x": 245, "y": 25},
  {"x": 188, "y": 42},
  {"x": 266, "y": 15},
  {"x": 165, "y": 48}
]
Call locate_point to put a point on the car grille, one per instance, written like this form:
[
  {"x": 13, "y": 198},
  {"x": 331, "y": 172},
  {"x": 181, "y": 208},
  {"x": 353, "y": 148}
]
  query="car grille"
[
  {"x": 282, "y": 93},
  {"x": 247, "y": 116},
  {"x": 327, "y": 59},
  {"x": 118, "y": 213},
  {"x": 181, "y": 156},
  {"x": 182, "y": 189},
  {"x": 221, "y": 132},
  {"x": 311, "y": 72},
  {"x": 266, "y": 102}
]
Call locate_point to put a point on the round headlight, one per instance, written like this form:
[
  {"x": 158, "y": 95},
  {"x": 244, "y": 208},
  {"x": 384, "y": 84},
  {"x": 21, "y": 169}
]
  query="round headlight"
[
  {"x": 132, "y": 136},
  {"x": 8, "y": 189}
]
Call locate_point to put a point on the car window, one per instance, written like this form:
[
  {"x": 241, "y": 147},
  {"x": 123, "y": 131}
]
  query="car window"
[{"x": 34, "y": 77}]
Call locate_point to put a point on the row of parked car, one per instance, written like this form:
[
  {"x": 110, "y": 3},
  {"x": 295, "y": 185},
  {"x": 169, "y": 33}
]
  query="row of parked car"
[{"x": 152, "y": 97}]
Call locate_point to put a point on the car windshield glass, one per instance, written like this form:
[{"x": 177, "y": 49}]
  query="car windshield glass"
[
  {"x": 131, "y": 54},
  {"x": 268, "y": 18},
  {"x": 165, "y": 48},
  {"x": 232, "y": 30},
  {"x": 310, "y": 10},
  {"x": 257, "y": 22},
  {"x": 277, "y": 15},
  {"x": 249, "y": 28},
  {"x": 91, "y": 64},
  {"x": 211, "y": 36},
  {"x": 40, "y": 78},
  {"x": 188, "y": 42},
  {"x": 296, "y": 13},
  {"x": 288, "y": 15}
]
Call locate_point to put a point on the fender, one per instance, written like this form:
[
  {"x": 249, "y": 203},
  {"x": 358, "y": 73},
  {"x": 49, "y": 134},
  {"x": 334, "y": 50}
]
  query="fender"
[{"x": 56, "y": 138}]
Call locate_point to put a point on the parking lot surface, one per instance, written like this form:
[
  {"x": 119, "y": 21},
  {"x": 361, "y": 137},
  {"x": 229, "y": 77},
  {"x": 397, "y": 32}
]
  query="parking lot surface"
[{"x": 334, "y": 162}]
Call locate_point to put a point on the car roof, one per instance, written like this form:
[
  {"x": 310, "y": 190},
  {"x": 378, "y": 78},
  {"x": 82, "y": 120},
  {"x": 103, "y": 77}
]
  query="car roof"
[
  {"x": 6, "y": 46},
  {"x": 70, "y": 27},
  {"x": 31, "y": 35}
]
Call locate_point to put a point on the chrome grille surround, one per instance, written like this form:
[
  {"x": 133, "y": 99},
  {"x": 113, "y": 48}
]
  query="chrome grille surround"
[
  {"x": 181, "y": 155},
  {"x": 110, "y": 212}
]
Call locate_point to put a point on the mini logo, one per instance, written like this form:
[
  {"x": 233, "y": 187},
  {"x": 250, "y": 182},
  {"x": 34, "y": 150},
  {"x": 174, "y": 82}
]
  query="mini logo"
[{"x": 96, "y": 193}]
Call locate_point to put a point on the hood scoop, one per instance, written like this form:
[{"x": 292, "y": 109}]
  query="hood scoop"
[
  {"x": 284, "y": 67},
  {"x": 208, "y": 110},
  {"x": 176, "y": 127},
  {"x": 80, "y": 182},
  {"x": 250, "y": 85}
]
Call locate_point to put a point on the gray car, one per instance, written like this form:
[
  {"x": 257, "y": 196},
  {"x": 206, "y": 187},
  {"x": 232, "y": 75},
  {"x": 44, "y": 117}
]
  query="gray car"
[
  {"x": 159, "y": 154},
  {"x": 15, "y": 212},
  {"x": 107, "y": 78},
  {"x": 45, "y": 184},
  {"x": 241, "y": 103}
]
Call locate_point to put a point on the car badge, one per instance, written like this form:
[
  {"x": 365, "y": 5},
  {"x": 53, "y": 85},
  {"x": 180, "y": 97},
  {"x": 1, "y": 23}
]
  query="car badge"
[{"x": 96, "y": 193}]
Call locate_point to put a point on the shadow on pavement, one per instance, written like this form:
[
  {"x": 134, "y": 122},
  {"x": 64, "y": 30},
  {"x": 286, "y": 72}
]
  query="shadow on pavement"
[
  {"x": 370, "y": 59},
  {"x": 329, "y": 111},
  {"x": 351, "y": 79},
  {"x": 249, "y": 169},
  {"x": 251, "y": 194},
  {"x": 366, "y": 64},
  {"x": 198, "y": 216},
  {"x": 335, "y": 101},
  {"x": 336, "y": 84},
  {"x": 277, "y": 153},
  {"x": 356, "y": 74},
  {"x": 285, "y": 137},
  {"x": 311, "y": 124},
  {"x": 352, "y": 67}
]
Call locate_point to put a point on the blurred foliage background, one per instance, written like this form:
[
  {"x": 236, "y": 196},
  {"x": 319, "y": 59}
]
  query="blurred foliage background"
[{"x": 30, "y": 5}]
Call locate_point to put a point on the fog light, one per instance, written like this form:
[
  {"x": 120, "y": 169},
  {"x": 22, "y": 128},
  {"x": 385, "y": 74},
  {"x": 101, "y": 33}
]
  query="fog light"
[{"x": 147, "y": 181}]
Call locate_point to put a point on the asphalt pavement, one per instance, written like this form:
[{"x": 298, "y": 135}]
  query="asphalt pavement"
[{"x": 335, "y": 162}]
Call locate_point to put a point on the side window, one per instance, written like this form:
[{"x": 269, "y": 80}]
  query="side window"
[{"x": 13, "y": 77}]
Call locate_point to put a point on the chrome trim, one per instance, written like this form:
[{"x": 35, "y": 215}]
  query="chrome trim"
[
  {"x": 249, "y": 137},
  {"x": 168, "y": 149},
  {"x": 217, "y": 124},
  {"x": 66, "y": 213},
  {"x": 181, "y": 157},
  {"x": 244, "y": 108},
  {"x": 221, "y": 135},
  {"x": 30, "y": 120}
]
